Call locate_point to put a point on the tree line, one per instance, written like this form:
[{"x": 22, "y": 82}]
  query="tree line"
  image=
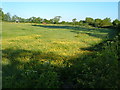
[{"x": 56, "y": 20}]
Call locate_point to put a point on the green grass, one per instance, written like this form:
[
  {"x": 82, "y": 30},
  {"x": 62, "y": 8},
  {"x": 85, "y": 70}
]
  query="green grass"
[
  {"x": 58, "y": 39},
  {"x": 45, "y": 49}
]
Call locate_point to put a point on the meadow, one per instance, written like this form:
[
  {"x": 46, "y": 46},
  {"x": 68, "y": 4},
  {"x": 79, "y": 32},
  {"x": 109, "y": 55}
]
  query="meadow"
[{"x": 56, "y": 55}]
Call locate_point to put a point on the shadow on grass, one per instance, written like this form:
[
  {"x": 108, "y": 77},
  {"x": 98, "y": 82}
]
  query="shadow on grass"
[
  {"x": 71, "y": 27},
  {"x": 18, "y": 64},
  {"x": 97, "y": 47},
  {"x": 94, "y": 32},
  {"x": 24, "y": 69}
]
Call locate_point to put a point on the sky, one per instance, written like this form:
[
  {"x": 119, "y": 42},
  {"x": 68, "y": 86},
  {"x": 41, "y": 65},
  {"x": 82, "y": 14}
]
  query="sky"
[
  {"x": 60, "y": 0},
  {"x": 67, "y": 10}
]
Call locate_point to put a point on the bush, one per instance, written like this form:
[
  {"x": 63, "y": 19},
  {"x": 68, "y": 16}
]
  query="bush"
[
  {"x": 48, "y": 80},
  {"x": 99, "y": 70}
]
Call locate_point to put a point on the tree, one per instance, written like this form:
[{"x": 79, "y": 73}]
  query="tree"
[
  {"x": 22, "y": 19},
  {"x": 14, "y": 18},
  {"x": 81, "y": 22},
  {"x": 74, "y": 20},
  {"x": 106, "y": 22},
  {"x": 46, "y": 21},
  {"x": 51, "y": 21},
  {"x": 38, "y": 20},
  {"x": 116, "y": 22},
  {"x": 32, "y": 19},
  {"x": 97, "y": 22},
  {"x": 1, "y": 14},
  {"x": 27, "y": 20},
  {"x": 89, "y": 20},
  {"x": 7, "y": 17},
  {"x": 118, "y": 28},
  {"x": 56, "y": 19},
  {"x": 63, "y": 22}
]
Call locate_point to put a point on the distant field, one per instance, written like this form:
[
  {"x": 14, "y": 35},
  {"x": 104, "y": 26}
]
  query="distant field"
[{"x": 38, "y": 43}]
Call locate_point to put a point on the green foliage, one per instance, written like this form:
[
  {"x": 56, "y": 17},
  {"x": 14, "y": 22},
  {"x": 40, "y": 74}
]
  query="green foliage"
[
  {"x": 81, "y": 22},
  {"x": 38, "y": 20},
  {"x": 14, "y": 18},
  {"x": 89, "y": 20},
  {"x": 74, "y": 21},
  {"x": 99, "y": 70},
  {"x": 116, "y": 22},
  {"x": 63, "y": 22},
  {"x": 97, "y": 22},
  {"x": 7, "y": 17},
  {"x": 106, "y": 22},
  {"x": 32, "y": 19},
  {"x": 51, "y": 21},
  {"x": 46, "y": 21},
  {"x": 56, "y": 19},
  {"x": 48, "y": 80},
  {"x": 1, "y": 14}
]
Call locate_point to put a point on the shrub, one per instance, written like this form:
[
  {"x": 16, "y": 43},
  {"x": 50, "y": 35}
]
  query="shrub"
[
  {"x": 100, "y": 71},
  {"x": 48, "y": 80}
]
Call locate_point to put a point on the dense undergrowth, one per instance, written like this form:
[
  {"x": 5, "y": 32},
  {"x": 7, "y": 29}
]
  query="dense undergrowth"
[{"x": 98, "y": 69}]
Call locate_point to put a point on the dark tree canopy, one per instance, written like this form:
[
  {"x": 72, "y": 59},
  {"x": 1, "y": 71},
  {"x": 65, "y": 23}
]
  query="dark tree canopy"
[{"x": 116, "y": 22}]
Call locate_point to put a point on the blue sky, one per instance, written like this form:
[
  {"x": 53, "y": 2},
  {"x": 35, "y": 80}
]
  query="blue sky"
[{"x": 68, "y": 10}]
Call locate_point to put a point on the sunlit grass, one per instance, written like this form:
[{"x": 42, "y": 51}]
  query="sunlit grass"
[{"x": 56, "y": 40}]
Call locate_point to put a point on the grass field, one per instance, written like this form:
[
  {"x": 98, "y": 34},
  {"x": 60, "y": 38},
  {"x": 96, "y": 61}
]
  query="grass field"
[{"x": 42, "y": 51}]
